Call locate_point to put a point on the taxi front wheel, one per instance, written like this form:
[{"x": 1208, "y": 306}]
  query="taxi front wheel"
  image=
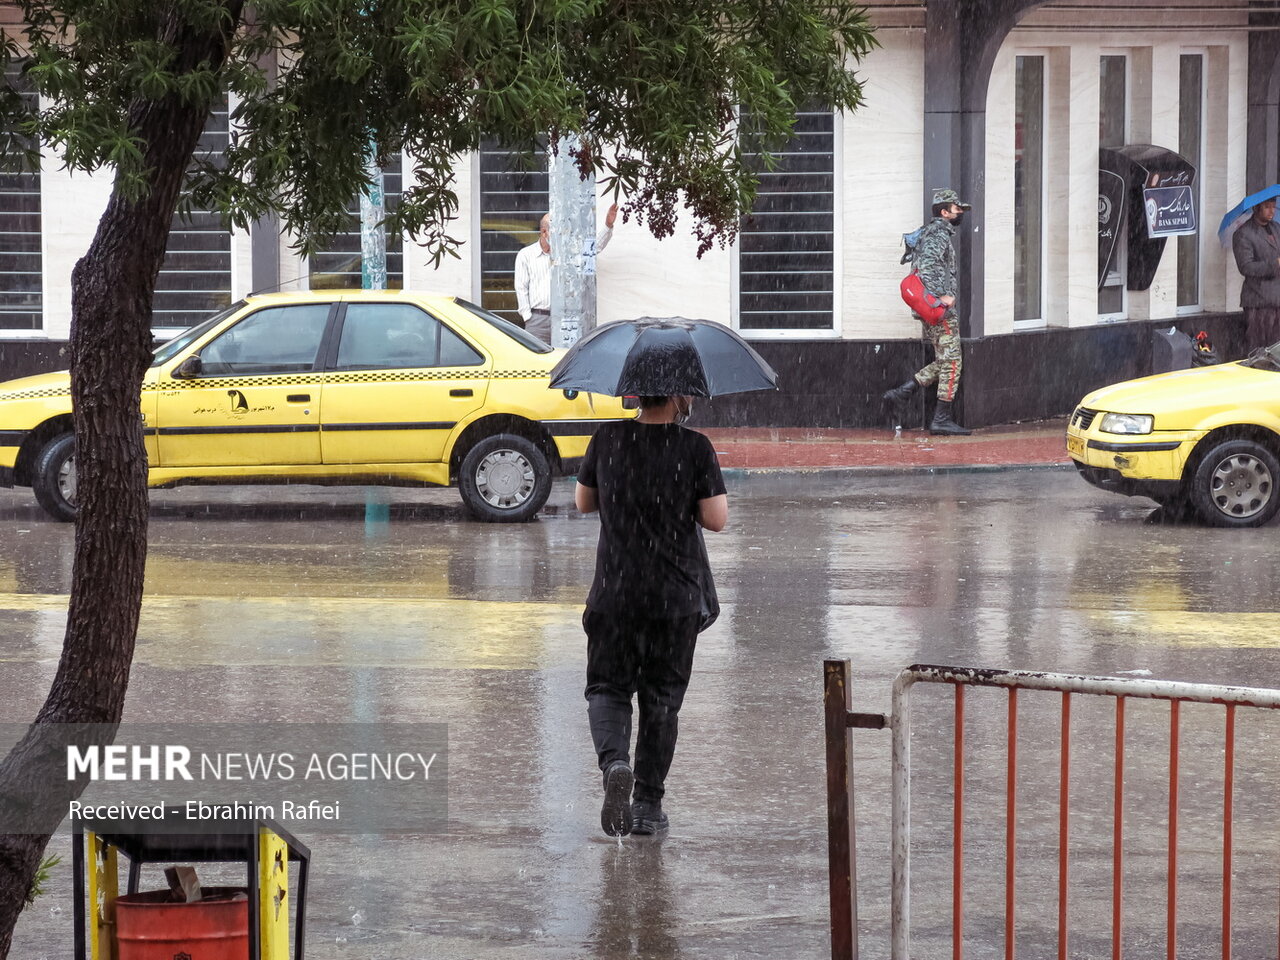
[
  {"x": 1235, "y": 485},
  {"x": 54, "y": 481},
  {"x": 504, "y": 479}
]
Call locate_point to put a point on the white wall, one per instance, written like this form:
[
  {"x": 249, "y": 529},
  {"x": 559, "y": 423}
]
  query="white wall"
[
  {"x": 883, "y": 188},
  {"x": 70, "y": 207},
  {"x": 452, "y": 275},
  {"x": 639, "y": 275}
]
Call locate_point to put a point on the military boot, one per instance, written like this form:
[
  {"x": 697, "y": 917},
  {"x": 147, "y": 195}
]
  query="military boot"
[
  {"x": 944, "y": 424},
  {"x": 895, "y": 400}
]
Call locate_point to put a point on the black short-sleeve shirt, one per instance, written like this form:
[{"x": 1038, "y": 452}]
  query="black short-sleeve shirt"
[{"x": 648, "y": 478}]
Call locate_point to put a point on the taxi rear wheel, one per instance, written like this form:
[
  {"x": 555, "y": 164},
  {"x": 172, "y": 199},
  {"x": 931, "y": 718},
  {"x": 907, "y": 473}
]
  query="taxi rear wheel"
[
  {"x": 504, "y": 479},
  {"x": 54, "y": 479},
  {"x": 1235, "y": 485}
]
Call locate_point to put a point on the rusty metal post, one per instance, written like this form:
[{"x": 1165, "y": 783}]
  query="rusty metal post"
[{"x": 841, "y": 845}]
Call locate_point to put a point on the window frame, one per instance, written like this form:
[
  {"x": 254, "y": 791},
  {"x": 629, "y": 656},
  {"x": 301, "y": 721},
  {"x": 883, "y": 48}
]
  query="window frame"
[
  {"x": 41, "y": 330},
  {"x": 309, "y": 263},
  {"x": 477, "y": 293},
  {"x": 178, "y": 225},
  {"x": 836, "y": 329}
]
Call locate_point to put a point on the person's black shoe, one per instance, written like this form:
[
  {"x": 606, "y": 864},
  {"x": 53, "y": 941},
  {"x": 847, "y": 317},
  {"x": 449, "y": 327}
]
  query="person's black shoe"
[
  {"x": 895, "y": 400},
  {"x": 615, "y": 812},
  {"x": 944, "y": 424},
  {"x": 647, "y": 818}
]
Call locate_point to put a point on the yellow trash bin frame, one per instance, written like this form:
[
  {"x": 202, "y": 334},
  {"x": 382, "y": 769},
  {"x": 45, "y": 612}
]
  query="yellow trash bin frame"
[{"x": 262, "y": 845}]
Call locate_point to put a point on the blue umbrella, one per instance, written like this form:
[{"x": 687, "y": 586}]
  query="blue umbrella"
[{"x": 1241, "y": 212}]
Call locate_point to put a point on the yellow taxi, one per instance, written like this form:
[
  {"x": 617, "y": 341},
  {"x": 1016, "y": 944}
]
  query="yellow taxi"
[
  {"x": 1207, "y": 438},
  {"x": 333, "y": 386}
]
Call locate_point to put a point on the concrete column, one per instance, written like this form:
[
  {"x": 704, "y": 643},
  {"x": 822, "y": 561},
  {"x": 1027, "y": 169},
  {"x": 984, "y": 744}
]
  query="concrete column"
[
  {"x": 264, "y": 234},
  {"x": 573, "y": 246},
  {"x": 373, "y": 235},
  {"x": 264, "y": 252},
  {"x": 1237, "y": 138},
  {"x": 1157, "y": 77},
  {"x": 962, "y": 38}
]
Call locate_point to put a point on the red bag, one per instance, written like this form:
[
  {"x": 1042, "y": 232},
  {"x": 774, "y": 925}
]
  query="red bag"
[{"x": 930, "y": 308}]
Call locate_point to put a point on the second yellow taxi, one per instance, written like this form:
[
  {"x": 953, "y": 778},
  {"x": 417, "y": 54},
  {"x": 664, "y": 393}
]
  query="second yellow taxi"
[{"x": 1207, "y": 438}]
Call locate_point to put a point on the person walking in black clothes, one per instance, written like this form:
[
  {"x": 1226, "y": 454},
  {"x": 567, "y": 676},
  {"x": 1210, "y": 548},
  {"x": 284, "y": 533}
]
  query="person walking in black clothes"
[{"x": 656, "y": 485}]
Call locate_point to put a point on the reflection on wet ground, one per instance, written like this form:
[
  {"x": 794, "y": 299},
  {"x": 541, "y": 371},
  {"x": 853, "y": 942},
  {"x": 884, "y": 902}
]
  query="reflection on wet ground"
[{"x": 345, "y": 604}]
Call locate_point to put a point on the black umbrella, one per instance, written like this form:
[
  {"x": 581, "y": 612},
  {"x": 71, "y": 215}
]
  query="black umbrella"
[{"x": 663, "y": 357}]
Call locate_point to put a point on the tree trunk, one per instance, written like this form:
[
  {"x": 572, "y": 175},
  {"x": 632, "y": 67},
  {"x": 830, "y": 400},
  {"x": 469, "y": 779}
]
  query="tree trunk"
[{"x": 112, "y": 289}]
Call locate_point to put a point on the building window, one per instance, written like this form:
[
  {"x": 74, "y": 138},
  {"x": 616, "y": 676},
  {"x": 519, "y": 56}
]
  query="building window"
[
  {"x": 195, "y": 278},
  {"x": 340, "y": 264},
  {"x": 786, "y": 245},
  {"x": 513, "y": 198},
  {"x": 1028, "y": 189},
  {"x": 1113, "y": 131},
  {"x": 21, "y": 264},
  {"x": 1191, "y": 146}
]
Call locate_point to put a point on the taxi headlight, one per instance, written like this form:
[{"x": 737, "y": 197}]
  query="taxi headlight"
[{"x": 1126, "y": 423}]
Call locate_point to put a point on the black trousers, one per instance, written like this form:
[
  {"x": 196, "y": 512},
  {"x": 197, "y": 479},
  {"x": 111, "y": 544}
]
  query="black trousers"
[
  {"x": 1262, "y": 326},
  {"x": 650, "y": 659}
]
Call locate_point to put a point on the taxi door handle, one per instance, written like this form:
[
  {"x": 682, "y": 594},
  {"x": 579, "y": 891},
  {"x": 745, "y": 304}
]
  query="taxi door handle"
[
  {"x": 299, "y": 398},
  {"x": 461, "y": 393}
]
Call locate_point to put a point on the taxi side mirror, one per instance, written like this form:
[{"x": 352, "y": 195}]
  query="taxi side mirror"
[{"x": 188, "y": 368}]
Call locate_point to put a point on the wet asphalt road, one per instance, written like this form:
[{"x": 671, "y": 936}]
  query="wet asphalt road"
[{"x": 308, "y": 604}]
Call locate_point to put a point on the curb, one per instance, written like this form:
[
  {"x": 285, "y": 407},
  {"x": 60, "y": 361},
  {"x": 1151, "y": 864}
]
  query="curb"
[{"x": 857, "y": 471}]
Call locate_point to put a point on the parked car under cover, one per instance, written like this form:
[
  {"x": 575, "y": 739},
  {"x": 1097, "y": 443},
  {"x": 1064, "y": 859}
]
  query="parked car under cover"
[
  {"x": 349, "y": 387},
  {"x": 1207, "y": 438}
]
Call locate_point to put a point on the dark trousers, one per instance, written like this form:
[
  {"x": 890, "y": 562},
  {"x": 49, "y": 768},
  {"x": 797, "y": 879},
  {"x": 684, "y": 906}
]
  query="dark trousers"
[
  {"x": 1262, "y": 326},
  {"x": 652, "y": 660}
]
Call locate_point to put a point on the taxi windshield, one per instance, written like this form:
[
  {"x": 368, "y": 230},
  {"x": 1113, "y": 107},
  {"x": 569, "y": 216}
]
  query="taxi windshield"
[{"x": 168, "y": 351}]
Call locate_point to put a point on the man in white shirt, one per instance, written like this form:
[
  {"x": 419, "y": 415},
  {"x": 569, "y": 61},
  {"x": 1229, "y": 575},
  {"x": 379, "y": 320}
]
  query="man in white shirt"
[{"x": 533, "y": 275}]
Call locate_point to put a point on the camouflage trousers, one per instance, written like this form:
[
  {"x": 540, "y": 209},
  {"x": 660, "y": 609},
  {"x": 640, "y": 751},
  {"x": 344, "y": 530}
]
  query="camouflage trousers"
[{"x": 945, "y": 369}]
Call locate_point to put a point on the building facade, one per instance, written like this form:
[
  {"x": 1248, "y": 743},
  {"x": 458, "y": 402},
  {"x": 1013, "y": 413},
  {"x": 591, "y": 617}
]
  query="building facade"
[{"x": 1051, "y": 118}]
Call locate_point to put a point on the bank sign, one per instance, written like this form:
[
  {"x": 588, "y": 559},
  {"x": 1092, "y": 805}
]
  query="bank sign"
[{"x": 1171, "y": 211}]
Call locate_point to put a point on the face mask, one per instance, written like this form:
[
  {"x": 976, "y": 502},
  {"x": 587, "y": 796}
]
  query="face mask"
[
  {"x": 957, "y": 219},
  {"x": 684, "y": 410}
]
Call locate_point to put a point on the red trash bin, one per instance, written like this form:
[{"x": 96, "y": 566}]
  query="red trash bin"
[{"x": 151, "y": 926}]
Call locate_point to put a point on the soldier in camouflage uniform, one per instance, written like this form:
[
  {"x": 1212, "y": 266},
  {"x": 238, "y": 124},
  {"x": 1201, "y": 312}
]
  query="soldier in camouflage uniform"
[{"x": 935, "y": 260}]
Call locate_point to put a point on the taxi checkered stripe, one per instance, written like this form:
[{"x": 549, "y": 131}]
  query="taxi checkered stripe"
[
  {"x": 31, "y": 394},
  {"x": 311, "y": 379},
  {"x": 300, "y": 379}
]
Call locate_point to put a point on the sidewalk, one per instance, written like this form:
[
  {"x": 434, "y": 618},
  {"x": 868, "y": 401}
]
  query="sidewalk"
[{"x": 1035, "y": 444}]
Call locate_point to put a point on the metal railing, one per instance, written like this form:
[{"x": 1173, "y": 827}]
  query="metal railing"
[{"x": 840, "y": 718}]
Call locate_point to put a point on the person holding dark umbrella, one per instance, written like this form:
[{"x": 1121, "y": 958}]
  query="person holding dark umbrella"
[{"x": 657, "y": 486}]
